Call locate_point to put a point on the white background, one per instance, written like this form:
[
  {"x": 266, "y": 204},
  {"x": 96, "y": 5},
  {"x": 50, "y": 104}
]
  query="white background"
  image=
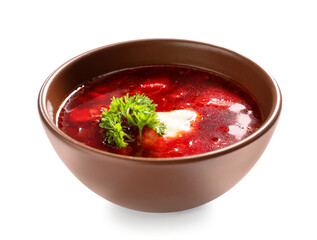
[{"x": 41, "y": 199}]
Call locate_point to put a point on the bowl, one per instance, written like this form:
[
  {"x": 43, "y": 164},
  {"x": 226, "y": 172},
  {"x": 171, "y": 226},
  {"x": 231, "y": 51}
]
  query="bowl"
[{"x": 159, "y": 184}]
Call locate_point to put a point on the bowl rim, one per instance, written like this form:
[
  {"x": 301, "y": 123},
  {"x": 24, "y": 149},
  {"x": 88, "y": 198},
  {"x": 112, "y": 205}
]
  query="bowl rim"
[{"x": 44, "y": 115}]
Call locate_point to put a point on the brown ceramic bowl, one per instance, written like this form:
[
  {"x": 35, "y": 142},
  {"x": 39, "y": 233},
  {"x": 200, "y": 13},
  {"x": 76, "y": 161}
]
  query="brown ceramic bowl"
[{"x": 159, "y": 184}]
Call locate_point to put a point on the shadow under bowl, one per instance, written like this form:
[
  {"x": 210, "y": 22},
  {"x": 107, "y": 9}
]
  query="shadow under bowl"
[{"x": 159, "y": 184}]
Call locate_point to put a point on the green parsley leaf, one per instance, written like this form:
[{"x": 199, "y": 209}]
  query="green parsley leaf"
[{"x": 137, "y": 110}]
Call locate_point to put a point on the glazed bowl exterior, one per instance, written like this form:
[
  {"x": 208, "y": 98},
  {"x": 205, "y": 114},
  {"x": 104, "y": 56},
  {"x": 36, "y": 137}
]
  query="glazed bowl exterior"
[{"x": 159, "y": 184}]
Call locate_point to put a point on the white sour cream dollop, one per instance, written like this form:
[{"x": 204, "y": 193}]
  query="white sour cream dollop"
[{"x": 177, "y": 121}]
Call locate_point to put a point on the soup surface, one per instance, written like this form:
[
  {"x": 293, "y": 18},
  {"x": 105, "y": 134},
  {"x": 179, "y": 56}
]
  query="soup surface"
[{"x": 203, "y": 111}]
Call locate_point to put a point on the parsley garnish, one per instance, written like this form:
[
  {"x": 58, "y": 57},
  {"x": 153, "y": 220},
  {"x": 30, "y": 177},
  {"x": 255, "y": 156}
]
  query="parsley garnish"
[{"x": 137, "y": 110}]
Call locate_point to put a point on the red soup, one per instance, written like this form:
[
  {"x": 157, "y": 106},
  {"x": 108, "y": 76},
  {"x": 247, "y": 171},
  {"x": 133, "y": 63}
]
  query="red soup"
[{"x": 203, "y": 111}]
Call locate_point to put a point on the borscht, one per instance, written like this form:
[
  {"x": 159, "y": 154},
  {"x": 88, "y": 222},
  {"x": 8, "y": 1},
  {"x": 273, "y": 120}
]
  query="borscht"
[{"x": 159, "y": 111}]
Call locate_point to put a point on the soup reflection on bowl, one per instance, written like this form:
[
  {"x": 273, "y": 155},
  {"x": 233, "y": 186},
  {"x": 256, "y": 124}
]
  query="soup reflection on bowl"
[{"x": 159, "y": 125}]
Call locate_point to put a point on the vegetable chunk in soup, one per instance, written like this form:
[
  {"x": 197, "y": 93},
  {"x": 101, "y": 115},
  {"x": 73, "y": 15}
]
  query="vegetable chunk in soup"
[{"x": 159, "y": 111}]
